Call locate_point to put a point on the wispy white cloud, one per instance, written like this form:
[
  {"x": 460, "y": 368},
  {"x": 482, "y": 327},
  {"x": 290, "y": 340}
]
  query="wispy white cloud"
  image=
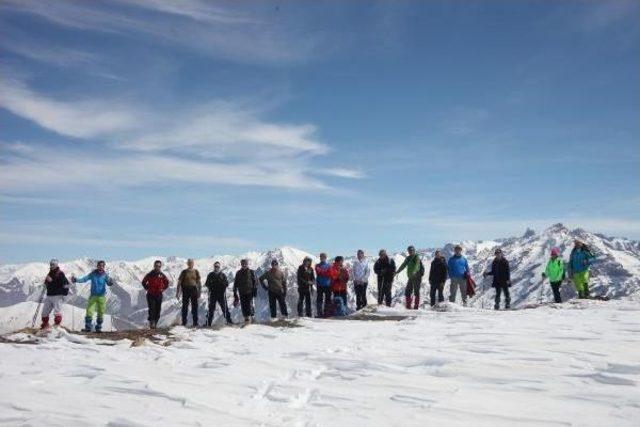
[
  {"x": 234, "y": 33},
  {"x": 80, "y": 119},
  {"x": 343, "y": 173}
]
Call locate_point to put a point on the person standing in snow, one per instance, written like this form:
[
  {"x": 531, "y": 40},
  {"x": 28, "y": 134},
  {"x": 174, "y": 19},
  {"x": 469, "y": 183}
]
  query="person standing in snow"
[
  {"x": 217, "y": 284},
  {"x": 245, "y": 289},
  {"x": 190, "y": 289},
  {"x": 501, "y": 278},
  {"x": 360, "y": 279},
  {"x": 276, "y": 287},
  {"x": 339, "y": 279},
  {"x": 385, "y": 270},
  {"x": 306, "y": 278},
  {"x": 97, "y": 299},
  {"x": 155, "y": 283},
  {"x": 555, "y": 273},
  {"x": 458, "y": 270},
  {"x": 57, "y": 288},
  {"x": 323, "y": 282},
  {"x": 437, "y": 277},
  {"x": 415, "y": 271},
  {"x": 580, "y": 261}
]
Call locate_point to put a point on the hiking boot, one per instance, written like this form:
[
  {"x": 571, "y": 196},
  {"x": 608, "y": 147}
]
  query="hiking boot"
[
  {"x": 496, "y": 306},
  {"x": 45, "y": 323},
  {"x": 57, "y": 319}
]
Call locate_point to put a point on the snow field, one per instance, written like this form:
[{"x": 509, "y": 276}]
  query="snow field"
[{"x": 574, "y": 365}]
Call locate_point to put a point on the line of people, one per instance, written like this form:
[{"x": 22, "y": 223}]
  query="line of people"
[{"x": 330, "y": 281}]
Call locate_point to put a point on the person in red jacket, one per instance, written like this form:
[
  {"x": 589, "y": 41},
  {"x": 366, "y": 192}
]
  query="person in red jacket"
[
  {"x": 339, "y": 279},
  {"x": 155, "y": 283}
]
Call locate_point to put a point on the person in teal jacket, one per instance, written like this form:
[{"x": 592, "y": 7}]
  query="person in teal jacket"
[
  {"x": 97, "y": 301},
  {"x": 579, "y": 263}
]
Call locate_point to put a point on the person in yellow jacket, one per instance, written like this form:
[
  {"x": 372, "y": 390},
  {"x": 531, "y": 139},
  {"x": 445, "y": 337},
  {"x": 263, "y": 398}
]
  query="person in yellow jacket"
[{"x": 555, "y": 273}]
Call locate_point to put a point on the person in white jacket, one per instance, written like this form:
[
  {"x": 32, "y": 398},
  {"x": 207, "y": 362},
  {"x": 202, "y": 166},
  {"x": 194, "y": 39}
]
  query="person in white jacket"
[{"x": 360, "y": 279}]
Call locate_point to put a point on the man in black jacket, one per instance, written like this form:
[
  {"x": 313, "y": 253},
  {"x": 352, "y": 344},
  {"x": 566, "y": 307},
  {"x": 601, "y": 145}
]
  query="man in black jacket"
[
  {"x": 217, "y": 284},
  {"x": 57, "y": 288},
  {"x": 437, "y": 277},
  {"x": 385, "y": 269},
  {"x": 306, "y": 279},
  {"x": 245, "y": 289},
  {"x": 501, "y": 278}
]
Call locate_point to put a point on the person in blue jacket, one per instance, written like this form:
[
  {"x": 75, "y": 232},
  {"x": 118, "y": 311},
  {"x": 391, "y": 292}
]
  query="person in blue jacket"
[
  {"x": 580, "y": 262},
  {"x": 458, "y": 270},
  {"x": 323, "y": 282},
  {"x": 97, "y": 301}
]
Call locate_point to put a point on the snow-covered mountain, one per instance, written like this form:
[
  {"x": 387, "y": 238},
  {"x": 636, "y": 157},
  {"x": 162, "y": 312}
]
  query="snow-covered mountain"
[{"x": 616, "y": 274}]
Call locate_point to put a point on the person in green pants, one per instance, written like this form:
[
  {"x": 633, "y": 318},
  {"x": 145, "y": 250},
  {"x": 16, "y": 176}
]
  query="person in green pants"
[
  {"x": 579, "y": 263},
  {"x": 97, "y": 301}
]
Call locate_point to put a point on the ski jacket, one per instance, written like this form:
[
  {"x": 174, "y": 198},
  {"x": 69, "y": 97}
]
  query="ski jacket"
[
  {"x": 438, "y": 271},
  {"x": 361, "y": 271},
  {"x": 555, "y": 269},
  {"x": 500, "y": 272},
  {"x": 414, "y": 266},
  {"x": 580, "y": 260},
  {"x": 322, "y": 275},
  {"x": 217, "y": 283},
  {"x": 339, "y": 278},
  {"x": 305, "y": 277},
  {"x": 458, "y": 267},
  {"x": 385, "y": 268},
  {"x": 276, "y": 281},
  {"x": 99, "y": 282},
  {"x": 59, "y": 285},
  {"x": 155, "y": 282},
  {"x": 245, "y": 282},
  {"x": 190, "y": 278}
]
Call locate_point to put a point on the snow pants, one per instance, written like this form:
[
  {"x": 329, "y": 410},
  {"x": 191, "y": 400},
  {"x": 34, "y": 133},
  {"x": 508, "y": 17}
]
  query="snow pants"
[
  {"x": 189, "y": 296},
  {"x": 246, "y": 305},
  {"x": 221, "y": 300},
  {"x": 384, "y": 290},
  {"x": 97, "y": 304},
  {"x": 361, "y": 294},
  {"x": 280, "y": 299},
  {"x": 555, "y": 287},
  {"x": 413, "y": 286},
  {"x": 154, "y": 302},
  {"x": 304, "y": 301},
  {"x": 433, "y": 289},
  {"x": 507, "y": 296},
  {"x": 323, "y": 299},
  {"x": 52, "y": 303},
  {"x": 581, "y": 280},
  {"x": 458, "y": 283}
]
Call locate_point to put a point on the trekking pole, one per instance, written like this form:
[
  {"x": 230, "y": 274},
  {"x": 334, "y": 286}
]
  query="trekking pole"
[
  {"x": 35, "y": 315},
  {"x": 541, "y": 291}
]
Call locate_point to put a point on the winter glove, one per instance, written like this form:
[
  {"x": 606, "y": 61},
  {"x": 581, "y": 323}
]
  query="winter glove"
[
  {"x": 544, "y": 275},
  {"x": 48, "y": 279},
  {"x": 255, "y": 292},
  {"x": 73, "y": 279},
  {"x": 236, "y": 301}
]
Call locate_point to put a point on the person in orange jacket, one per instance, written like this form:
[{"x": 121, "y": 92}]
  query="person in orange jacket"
[{"x": 339, "y": 279}]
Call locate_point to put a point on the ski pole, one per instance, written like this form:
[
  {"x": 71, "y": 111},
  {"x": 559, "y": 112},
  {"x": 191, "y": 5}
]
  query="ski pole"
[{"x": 35, "y": 315}]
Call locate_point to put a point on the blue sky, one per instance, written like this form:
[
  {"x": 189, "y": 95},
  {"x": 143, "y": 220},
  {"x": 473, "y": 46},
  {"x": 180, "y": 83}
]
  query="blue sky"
[{"x": 133, "y": 128}]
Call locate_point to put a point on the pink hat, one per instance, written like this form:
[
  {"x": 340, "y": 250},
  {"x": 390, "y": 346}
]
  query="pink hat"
[{"x": 555, "y": 251}]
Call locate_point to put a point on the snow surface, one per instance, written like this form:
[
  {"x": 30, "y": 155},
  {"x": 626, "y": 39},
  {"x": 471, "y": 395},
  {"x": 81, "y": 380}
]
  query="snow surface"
[{"x": 575, "y": 364}]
